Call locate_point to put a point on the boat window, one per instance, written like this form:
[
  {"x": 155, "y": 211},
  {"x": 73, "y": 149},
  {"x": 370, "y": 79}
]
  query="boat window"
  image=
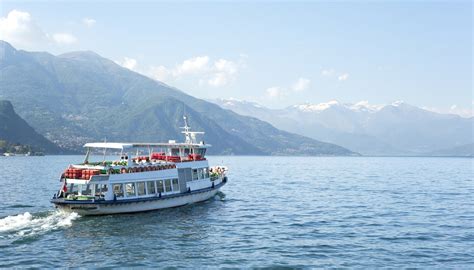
[
  {"x": 167, "y": 185},
  {"x": 195, "y": 174},
  {"x": 100, "y": 190},
  {"x": 141, "y": 188},
  {"x": 73, "y": 188},
  {"x": 86, "y": 190},
  {"x": 150, "y": 186},
  {"x": 159, "y": 186},
  {"x": 130, "y": 189},
  {"x": 118, "y": 190},
  {"x": 175, "y": 152},
  {"x": 201, "y": 173},
  {"x": 200, "y": 151},
  {"x": 97, "y": 189},
  {"x": 206, "y": 172},
  {"x": 175, "y": 185}
]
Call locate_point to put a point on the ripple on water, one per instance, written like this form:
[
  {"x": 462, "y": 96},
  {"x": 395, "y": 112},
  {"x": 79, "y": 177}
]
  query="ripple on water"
[{"x": 275, "y": 212}]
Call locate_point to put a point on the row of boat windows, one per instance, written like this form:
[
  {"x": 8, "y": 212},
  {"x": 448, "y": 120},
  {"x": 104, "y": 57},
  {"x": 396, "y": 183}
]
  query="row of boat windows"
[
  {"x": 200, "y": 173},
  {"x": 145, "y": 188},
  {"x": 87, "y": 189}
]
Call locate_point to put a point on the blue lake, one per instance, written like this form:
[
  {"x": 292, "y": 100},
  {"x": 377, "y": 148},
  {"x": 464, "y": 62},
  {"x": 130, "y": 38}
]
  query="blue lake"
[{"x": 296, "y": 212}]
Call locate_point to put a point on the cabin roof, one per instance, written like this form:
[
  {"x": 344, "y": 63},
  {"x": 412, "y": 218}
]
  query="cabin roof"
[{"x": 123, "y": 146}]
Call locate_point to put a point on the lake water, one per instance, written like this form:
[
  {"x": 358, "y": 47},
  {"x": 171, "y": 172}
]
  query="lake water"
[{"x": 295, "y": 212}]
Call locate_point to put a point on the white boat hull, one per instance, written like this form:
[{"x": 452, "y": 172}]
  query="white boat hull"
[{"x": 117, "y": 207}]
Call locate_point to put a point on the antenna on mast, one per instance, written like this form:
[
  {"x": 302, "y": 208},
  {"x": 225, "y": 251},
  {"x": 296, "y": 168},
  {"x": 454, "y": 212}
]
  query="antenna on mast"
[{"x": 188, "y": 134}]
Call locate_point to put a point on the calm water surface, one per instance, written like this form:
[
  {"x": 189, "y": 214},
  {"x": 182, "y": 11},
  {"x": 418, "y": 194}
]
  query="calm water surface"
[{"x": 295, "y": 212}]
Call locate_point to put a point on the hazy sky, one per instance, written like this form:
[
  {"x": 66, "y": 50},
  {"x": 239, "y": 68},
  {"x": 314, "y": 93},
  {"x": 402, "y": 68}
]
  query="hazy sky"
[{"x": 275, "y": 53}]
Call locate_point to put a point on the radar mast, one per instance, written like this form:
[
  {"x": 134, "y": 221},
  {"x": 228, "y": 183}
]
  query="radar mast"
[{"x": 189, "y": 135}]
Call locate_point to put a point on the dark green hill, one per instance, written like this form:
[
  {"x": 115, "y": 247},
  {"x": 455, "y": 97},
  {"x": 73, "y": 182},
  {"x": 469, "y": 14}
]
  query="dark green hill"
[
  {"x": 80, "y": 96},
  {"x": 15, "y": 130}
]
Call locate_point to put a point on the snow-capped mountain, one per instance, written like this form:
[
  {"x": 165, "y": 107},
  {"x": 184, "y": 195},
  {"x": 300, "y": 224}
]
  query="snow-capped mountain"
[{"x": 392, "y": 129}]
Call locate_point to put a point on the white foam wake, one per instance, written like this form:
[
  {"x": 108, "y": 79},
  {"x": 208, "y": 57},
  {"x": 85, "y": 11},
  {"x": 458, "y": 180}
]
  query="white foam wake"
[{"x": 26, "y": 224}]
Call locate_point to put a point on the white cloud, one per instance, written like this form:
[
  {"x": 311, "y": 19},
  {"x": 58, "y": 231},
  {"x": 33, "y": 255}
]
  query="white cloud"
[
  {"x": 19, "y": 29},
  {"x": 159, "y": 73},
  {"x": 224, "y": 72},
  {"x": 278, "y": 92},
  {"x": 89, "y": 22},
  {"x": 331, "y": 72},
  {"x": 328, "y": 72},
  {"x": 300, "y": 85},
  {"x": 218, "y": 79},
  {"x": 274, "y": 92},
  {"x": 343, "y": 77},
  {"x": 217, "y": 74},
  {"x": 129, "y": 63},
  {"x": 192, "y": 66},
  {"x": 64, "y": 38}
]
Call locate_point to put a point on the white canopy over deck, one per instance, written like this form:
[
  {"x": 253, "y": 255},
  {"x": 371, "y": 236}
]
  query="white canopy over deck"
[{"x": 124, "y": 146}]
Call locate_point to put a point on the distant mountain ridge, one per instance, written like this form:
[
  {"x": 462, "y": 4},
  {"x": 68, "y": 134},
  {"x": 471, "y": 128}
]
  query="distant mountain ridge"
[
  {"x": 13, "y": 129},
  {"x": 393, "y": 129},
  {"x": 78, "y": 97},
  {"x": 466, "y": 150}
]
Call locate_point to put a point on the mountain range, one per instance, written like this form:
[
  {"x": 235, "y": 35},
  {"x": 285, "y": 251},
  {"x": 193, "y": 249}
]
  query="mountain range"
[
  {"x": 80, "y": 97},
  {"x": 394, "y": 129},
  {"x": 15, "y": 130}
]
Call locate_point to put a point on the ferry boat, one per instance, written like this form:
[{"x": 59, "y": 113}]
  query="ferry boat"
[{"x": 170, "y": 175}]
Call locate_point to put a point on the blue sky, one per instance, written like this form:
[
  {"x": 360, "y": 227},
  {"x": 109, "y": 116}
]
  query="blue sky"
[{"x": 275, "y": 53}]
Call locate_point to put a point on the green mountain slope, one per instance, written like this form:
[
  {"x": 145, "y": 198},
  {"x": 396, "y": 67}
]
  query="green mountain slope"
[
  {"x": 80, "y": 96},
  {"x": 13, "y": 129}
]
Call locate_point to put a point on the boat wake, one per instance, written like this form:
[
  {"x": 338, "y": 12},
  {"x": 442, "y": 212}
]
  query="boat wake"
[{"x": 27, "y": 225}]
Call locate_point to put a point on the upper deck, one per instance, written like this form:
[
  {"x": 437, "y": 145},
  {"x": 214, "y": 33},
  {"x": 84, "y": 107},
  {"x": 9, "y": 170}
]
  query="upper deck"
[{"x": 140, "y": 157}]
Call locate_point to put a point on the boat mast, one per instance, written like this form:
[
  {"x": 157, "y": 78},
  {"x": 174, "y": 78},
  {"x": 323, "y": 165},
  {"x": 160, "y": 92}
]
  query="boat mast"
[{"x": 190, "y": 136}]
